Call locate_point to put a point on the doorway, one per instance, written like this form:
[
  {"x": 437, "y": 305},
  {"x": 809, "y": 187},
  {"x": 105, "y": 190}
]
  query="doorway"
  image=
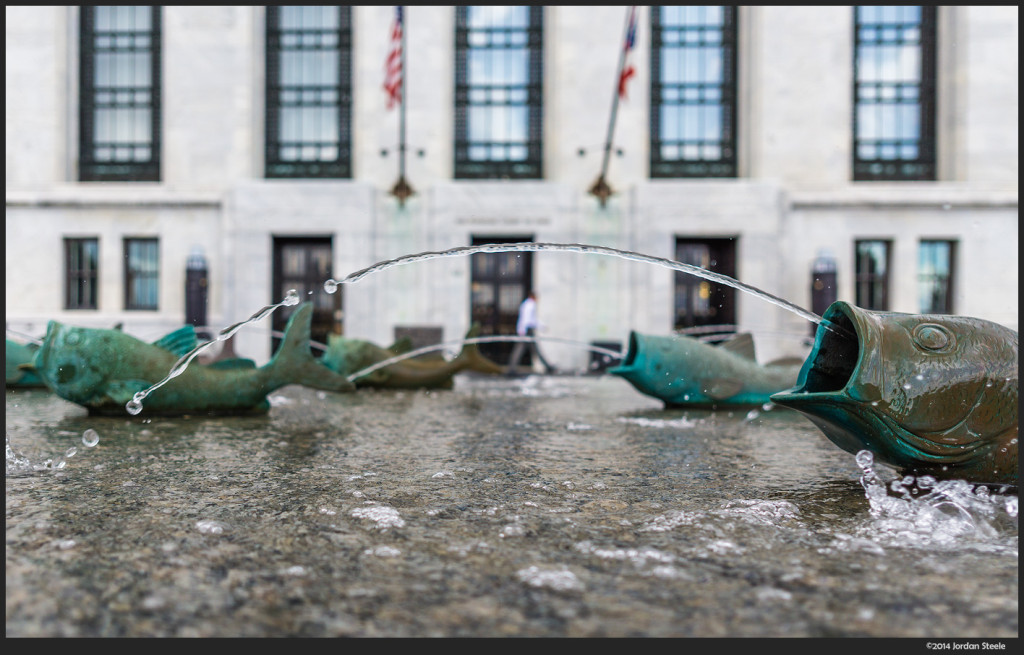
[
  {"x": 304, "y": 264},
  {"x": 499, "y": 282}
]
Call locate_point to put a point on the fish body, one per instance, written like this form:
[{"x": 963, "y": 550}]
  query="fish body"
[
  {"x": 17, "y": 354},
  {"x": 927, "y": 394},
  {"x": 349, "y": 356},
  {"x": 683, "y": 371},
  {"x": 102, "y": 370}
]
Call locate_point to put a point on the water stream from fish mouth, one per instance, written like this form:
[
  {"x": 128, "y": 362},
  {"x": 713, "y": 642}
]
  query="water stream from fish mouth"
[{"x": 134, "y": 406}]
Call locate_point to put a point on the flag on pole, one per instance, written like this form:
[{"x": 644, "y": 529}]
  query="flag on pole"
[
  {"x": 393, "y": 64},
  {"x": 627, "y": 64}
]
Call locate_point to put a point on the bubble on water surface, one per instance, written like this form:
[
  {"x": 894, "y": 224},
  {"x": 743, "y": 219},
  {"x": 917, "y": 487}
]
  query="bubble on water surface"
[
  {"x": 90, "y": 438},
  {"x": 383, "y": 516},
  {"x": 559, "y": 579},
  {"x": 210, "y": 527}
]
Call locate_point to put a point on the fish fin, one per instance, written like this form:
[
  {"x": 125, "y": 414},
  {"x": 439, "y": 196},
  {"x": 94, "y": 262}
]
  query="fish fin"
[
  {"x": 124, "y": 390},
  {"x": 232, "y": 364},
  {"x": 27, "y": 366},
  {"x": 401, "y": 346},
  {"x": 786, "y": 361},
  {"x": 721, "y": 388},
  {"x": 180, "y": 342},
  {"x": 741, "y": 344},
  {"x": 475, "y": 361},
  {"x": 293, "y": 363}
]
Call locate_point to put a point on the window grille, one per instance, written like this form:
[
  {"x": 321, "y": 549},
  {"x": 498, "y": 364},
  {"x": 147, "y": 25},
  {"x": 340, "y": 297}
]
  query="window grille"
[
  {"x": 119, "y": 102},
  {"x": 81, "y": 273},
  {"x": 935, "y": 276},
  {"x": 498, "y": 92},
  {"x": 894, "y": 93},
  {"x": 693, "y": 91},
  {"x": 872, "y": 274},
  {"x": 141, "y": 273},
  {"x": 309, "y": 92}
]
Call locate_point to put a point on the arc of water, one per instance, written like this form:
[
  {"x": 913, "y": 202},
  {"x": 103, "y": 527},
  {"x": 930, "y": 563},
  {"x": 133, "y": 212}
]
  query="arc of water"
[
  {"x": 529, "y": 246},
  {"x": 134, "y": 405},
  {"x": 489, "y": 339}
]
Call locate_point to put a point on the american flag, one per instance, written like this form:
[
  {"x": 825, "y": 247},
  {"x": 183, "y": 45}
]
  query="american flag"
[
  {"x": 627, "y": 65},
  {"x": 393, "y": 64}
]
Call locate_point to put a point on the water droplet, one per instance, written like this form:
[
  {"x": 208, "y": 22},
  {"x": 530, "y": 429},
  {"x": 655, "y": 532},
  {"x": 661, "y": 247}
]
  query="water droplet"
[
  {"x": 71, "y": 452},
  {"x": 210, "y": 527},
  {"x": 291, "y": 298},
  {"x": 90, "y": 438},
  {"x": 133, "y": 407},
  {"x": 330, "y": 286}
]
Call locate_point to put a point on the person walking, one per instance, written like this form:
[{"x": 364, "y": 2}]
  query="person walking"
[{"x": 527, "y": 326}]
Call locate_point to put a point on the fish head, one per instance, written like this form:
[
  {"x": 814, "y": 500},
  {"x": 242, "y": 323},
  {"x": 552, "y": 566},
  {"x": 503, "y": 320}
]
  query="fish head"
[
  {"x": 932, "y": 394},
  {"x": 76, "y": 362}
]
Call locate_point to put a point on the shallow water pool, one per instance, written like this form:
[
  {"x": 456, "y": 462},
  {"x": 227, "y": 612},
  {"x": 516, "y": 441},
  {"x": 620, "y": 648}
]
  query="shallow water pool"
[{"x": 541, "y": 506}]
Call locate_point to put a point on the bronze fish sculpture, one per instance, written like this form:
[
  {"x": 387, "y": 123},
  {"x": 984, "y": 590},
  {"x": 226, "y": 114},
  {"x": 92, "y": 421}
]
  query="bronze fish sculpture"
[
  {"x": 17, "y": 354},
  {"x": 683, "y": 371},
  {"x": 102, "y": 370},
  {"x": 350, "y": 356},
  {"x": 927, "y": 394}
]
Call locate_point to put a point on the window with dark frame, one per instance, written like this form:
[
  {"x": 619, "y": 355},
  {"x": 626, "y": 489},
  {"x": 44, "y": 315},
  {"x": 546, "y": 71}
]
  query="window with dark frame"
[
  {"x": 141, "y": 273},
  {"x": 309, "y": 92},
  {"x": 693, "y": 91},
  {"x": 871, "y": 262},
  {"x": 935, "y": 275},
  {"x": 499, "y": 58},
  {"x": 894, "y": 93},
  {"x": 119, "y": 93},
  {"x": 81, "y": 273}
]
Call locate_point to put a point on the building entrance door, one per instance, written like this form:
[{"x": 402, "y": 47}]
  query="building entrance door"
[
  {"x": 304, "y": 264},
  {"x": 499, "y": 282},
  {"x": 703, "y": 307}
]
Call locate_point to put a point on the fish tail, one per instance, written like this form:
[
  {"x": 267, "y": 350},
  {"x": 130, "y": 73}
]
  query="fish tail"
[
  {"x": 473, "y": 359},
  {"x": 293, "y": 363}
]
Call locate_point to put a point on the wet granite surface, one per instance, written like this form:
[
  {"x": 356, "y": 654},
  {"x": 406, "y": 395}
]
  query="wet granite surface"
[{"x": 536, "y": 507}]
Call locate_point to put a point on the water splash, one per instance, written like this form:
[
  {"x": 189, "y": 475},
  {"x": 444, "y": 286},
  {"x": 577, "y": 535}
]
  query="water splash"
[
  {"x": 925, "y": 512},
  {"x": 17, "y": 463},
  {"x": 489, "y": 339},
  {"x": 134, "y": 405}
]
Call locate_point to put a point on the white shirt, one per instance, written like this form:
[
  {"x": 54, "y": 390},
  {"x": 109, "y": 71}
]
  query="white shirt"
[{"x": 527, "y": 316}]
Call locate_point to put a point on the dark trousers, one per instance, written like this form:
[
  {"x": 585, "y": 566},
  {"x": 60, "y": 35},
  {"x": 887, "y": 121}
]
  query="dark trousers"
[{"x": 517, "y": 353}]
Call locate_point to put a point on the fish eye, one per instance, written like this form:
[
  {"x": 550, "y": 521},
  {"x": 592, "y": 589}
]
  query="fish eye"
[{"x": 931, "y": 336}]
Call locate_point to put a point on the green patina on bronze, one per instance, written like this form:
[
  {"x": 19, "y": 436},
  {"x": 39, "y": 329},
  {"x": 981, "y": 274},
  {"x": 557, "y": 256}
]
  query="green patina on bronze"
[
  {"x": 102, "y": 370},
  {"x": 683, "y": 371},
  {"x": 18, "y": 354},
  {"x": 350, "y": 356},
  {"x": 928, "y": 394}
]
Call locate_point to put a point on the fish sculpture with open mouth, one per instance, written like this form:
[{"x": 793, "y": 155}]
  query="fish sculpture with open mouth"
[
  {"x": 102, "y": 370},
  {"x": 927, "y": 394},
  {"x": 683, "y": 371},
  {"x": 350, "y": 356}
]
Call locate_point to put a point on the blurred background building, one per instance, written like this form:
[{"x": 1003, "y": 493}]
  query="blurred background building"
[{"x": 193, "y": 163}]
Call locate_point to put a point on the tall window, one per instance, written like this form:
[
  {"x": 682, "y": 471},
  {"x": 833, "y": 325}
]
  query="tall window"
[
  {"x": 309, "y": 91},
  {"x": 872, "y": 274},
  {"x": 894, "y": 93},
  {"x": 81, "y": 273},
  {"x": 141, "y": 273},
  {"x": 935, "y": 276},
  {"x": 701, "y": 305},
  {"x": 498, "y": 91},
  {"x": 693, "y": 91},
  {"x": 119, "y": 102}
]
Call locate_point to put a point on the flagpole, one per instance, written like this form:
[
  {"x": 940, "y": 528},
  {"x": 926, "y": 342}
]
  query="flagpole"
[
  {"x": 402, "y": 190},
  {"x": 600, "y": 188}
]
